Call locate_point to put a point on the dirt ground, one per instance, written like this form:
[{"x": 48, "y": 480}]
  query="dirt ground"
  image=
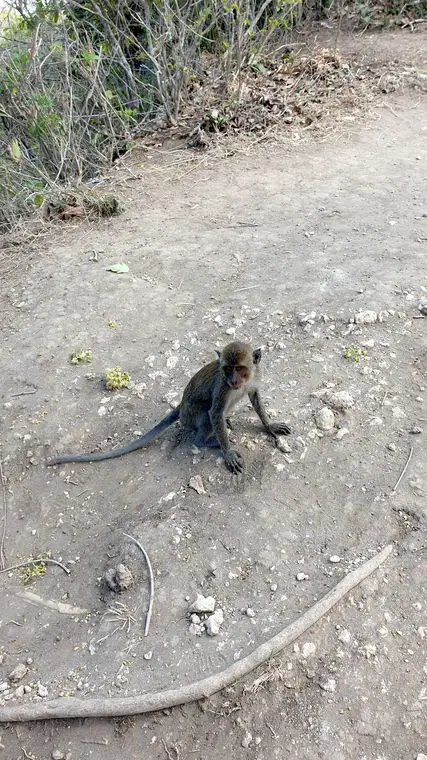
[{"x": 280, "y": 244}]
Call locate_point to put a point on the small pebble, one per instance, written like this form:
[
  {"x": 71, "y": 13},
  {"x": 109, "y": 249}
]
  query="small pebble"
[
  {"x": 365, "y": 317},
  {"x": 247, "y": 740},
  {"x": 148, "y": 655},
  {"x": 301, "y": 577},
  {"x": 334, "y": 559},
  {"x": 18, "y": 672},
  {"x": 329, "y": 684},
  {"x": 19, "y": 691},
  {"x": 214, "y": 622},
  {"x": 273, "y": 587},
  {"x": 250, "y": 612},
  {"x": 57, "y": 754},
  {"x": 325, "y": 419},
  {"x": 341, "y": 433},
  {"x": 196, "y": 483},
  {"x": 202, "y": 604},
  {"x": 340, "y": 400},
  {"x": 308, "y": 649},
  {"x": 42, "y": 691},
  {"x": 392, "y": 447},
  {"x": 344, "y": 636}
]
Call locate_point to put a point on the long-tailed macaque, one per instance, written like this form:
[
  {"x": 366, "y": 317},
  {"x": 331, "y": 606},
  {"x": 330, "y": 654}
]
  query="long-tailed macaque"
[{"x": 206, "y": 402}]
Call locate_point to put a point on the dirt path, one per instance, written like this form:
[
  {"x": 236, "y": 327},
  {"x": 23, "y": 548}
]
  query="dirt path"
[{"x": 249, "y": 246}]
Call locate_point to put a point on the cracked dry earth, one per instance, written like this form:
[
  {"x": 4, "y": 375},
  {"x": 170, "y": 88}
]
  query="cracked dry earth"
[{"x": 281, "y": 245}]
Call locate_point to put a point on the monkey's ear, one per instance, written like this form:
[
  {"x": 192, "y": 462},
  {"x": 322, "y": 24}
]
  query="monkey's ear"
[{"x": 257, "y": 355}]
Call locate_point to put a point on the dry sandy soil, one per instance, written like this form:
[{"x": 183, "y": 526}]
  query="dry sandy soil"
[{"x": 247, "y": 246}]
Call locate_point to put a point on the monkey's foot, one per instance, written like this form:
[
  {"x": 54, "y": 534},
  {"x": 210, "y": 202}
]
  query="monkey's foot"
[{"x": 234, "y": 461}]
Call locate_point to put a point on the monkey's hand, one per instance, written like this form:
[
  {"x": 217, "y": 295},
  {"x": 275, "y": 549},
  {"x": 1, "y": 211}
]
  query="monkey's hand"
[
  {"x": 234, "y": 461},
  {"x": 279, "y": 428}
]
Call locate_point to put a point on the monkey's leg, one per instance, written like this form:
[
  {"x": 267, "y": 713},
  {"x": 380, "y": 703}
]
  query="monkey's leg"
[
  {"x": 273, "y": 428},
  {"x": 204, "y": 434}
]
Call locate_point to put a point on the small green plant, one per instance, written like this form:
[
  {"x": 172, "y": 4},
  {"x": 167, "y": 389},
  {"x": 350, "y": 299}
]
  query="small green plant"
[
  {"x": 115, "y": 379},
  {"x": 354, "y": 353},
  {"x": 81, "y": 357},
  {"x": 112, "y": 323},
  {"x": 33, "y": 570}
]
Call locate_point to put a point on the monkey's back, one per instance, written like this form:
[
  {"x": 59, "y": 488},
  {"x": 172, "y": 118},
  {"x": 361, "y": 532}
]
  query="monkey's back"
[{"x": 197, "y": 395}]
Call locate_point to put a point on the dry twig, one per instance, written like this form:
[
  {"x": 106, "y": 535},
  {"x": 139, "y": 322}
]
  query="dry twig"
[
  {"x": 411, "y": 451},
  {"x": 150, "y": 571},
  {"x": 37, "y": 561}
]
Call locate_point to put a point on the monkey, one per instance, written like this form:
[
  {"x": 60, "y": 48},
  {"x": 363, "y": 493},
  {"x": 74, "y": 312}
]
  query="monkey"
[{"x": 206, "y": 402}]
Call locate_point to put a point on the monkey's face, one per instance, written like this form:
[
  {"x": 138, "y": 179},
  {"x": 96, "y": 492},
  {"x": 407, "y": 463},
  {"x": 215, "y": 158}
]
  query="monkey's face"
[{"x": 236, "y": 376}]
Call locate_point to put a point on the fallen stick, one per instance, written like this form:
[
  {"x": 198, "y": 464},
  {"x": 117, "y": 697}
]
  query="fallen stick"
[{"x": 74, "y": 707}]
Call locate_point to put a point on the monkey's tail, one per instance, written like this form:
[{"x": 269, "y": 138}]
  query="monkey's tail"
[{"x": 138, "y": 443}]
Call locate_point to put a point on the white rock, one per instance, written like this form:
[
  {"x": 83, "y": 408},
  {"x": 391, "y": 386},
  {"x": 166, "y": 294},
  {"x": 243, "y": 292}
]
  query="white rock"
[
  {"x": 195, "y": 629},
  {"x": 214, "y": 622},
  {"x": 250, "y": 612},
  {"x": 392, "y": 447},
  {"x": 148, "y": 655},
  {"x": 4, "y": 686},
  {"x": 42, "y": 691},
  {"x": 421, "y": 756},
  {"x": 398, "y": 413},
  {"x": 171, "y": 361},
  {"x": 301, "y": 577},
  {"x": 325, "y": 419},
  {"x": 334, "y": 559},
  {"x": 19, "y": 691},
  {"x": 247, "y": 740},
  {"x": 57, "y": 754},
  {"x": 344, "y": 636},
  {"x": 273, "y": 587},
  {"x": 329, "y": 684},
  {"x": 341, "y": 433},
  {"x": 307, "y": 318},
  {"x": 369, "y": 650},
  {"x": 196, "y": 483},
  {"x": 368, "y": 343},
  {"x": 18, "y": 672},
  {"x": 308, "y": 649},
  {"x": 340, "y": 400},
  {"x": 202, "y": 604},
  {"x": 365, "y": 317}
]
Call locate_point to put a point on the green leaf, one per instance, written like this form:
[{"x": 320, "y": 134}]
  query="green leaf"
[
  {"x": 38, "y": 200},
  {"x": 118, "y": 268},
  {"x": 15, "y": 150}
]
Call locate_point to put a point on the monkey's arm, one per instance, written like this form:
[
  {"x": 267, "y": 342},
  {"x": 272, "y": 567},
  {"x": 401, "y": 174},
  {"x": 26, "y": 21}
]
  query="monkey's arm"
[
  {"x": 138, "y": 443},
  {"x": 232, "y": 458},
  {"x": 273, "y": 428}
]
